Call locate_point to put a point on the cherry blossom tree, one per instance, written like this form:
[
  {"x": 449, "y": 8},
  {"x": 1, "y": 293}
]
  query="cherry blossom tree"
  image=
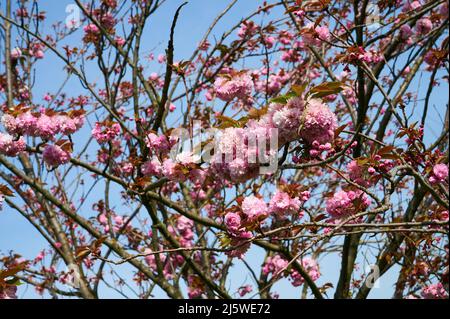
[{"x": 307, "y": 129}]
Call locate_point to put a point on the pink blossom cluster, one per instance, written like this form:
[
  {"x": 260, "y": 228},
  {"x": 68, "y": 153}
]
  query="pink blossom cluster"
[
  {"x": 276, "y": 265},
  {"x": 346, "y": 203},
  {"x": 150, "y": 260},
  {"x": 16, "y": 53},
  {"x": 55, "y": 155},
  {"x": 10, "y": 146},
  {"x": 439, "y": 174},
  {"x": 282, "y": 204},
  {"x": 313, "y": 121},
  {"x": 434, "y": 291},
  {"x": 159, "y": 144},
  {"x": 245, "y": 290},
  {"x": 41, "y": 124},
  {"x": 406, "y": 32},
  {"x": 36, "y": 50},
  {"x": 237, "y": 159},
  {"x": 254, "y": 208},
  {"x": 371, "y": 56},
  {"x": 273, "y": 84},
  {"x": 105, "y": 132},
  {"x": 195, "y": 289},
  {"x": 230, "y": 86},
  {"x": 247, "y": 29},
  {"x": 233, "y": 223},
  {"x": 411, "y": 5},
  {"x": 424, "y": 26},
  {"x": 117, "y": 221},
  {"x": 310, "y": 266},
  {"x": 159, "y": 164},
  {"x": 315, "y": 35},
  {"x": 184, "y": 227},
  {"x": 184, "y": 231},
  {"x": 238, "y": 234},
  {"x": 319, "y": 123},
  {"x": 287, "y": 118},
  {"x": 174, "y": 171},
  {"x": 360, "y": 174},
  {"x": 91, "y": 29},
  {"x": 359, "y": 54}
]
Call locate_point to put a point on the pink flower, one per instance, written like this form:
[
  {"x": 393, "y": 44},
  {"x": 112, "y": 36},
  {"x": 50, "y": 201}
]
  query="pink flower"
[
  {"x": 195, "y": 289},
  {"x": 282, "y": 204},
  {"x": 310, "y": 266},
  {"x": 274, "y": 265},
  {"x": 287, "y": 118},
  {"x": 370, "y": 56},
  {"x": 127, "y": 168},
  {"x": 245, "y": 290},
  {"x": 443, "y": 9},
  {"x": 16, "y": 53},
  {"x": 319, "y": 123},
  {"x": 23, "y": 124},
  {"x": 233, "y": 86},
  {"x": 184, "y": 224},
  {"x": 46, "y": 127},
  {"x": 171, "y": 171},
  {"x": 158, "y": 144},
  {"x": 434, "y": 291},
  {"x": 358, "y": 174},
  {"x": 345, "y": 203},
  {"x": 439, "y": 174},
  {"x": 65, "y": 124},
  {"x": 254, "y": 208},
  {"x": 232, "y": 222},
  {"x": 152, "y": 167},
  {"x": 316, "y": 35},
  {"x": 161, "y": 58},
  {"x": 248, "y": 29},
  {"x": 408, "y": 6},
  {"x": 120, "y": 41},
  {"x": 105, "y": 133},
  {"x": 38, "y": 54},
  {"x": 91, "y": 28},
  {"x": 54, "y": 155},
  {"x": 11, "y": 147},
  {"x": 405, "y": 32},
  {"x": 10, "y": 124},
  {"x": 423, "y": 26}
]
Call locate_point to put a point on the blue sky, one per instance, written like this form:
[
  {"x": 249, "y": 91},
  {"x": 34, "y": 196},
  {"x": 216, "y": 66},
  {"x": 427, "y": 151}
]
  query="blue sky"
[{"x": 16, "y": 234}]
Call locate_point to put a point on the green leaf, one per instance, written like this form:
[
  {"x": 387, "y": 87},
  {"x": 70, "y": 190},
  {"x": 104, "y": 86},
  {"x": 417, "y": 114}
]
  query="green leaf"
[{"x": 278, "y": 100}]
